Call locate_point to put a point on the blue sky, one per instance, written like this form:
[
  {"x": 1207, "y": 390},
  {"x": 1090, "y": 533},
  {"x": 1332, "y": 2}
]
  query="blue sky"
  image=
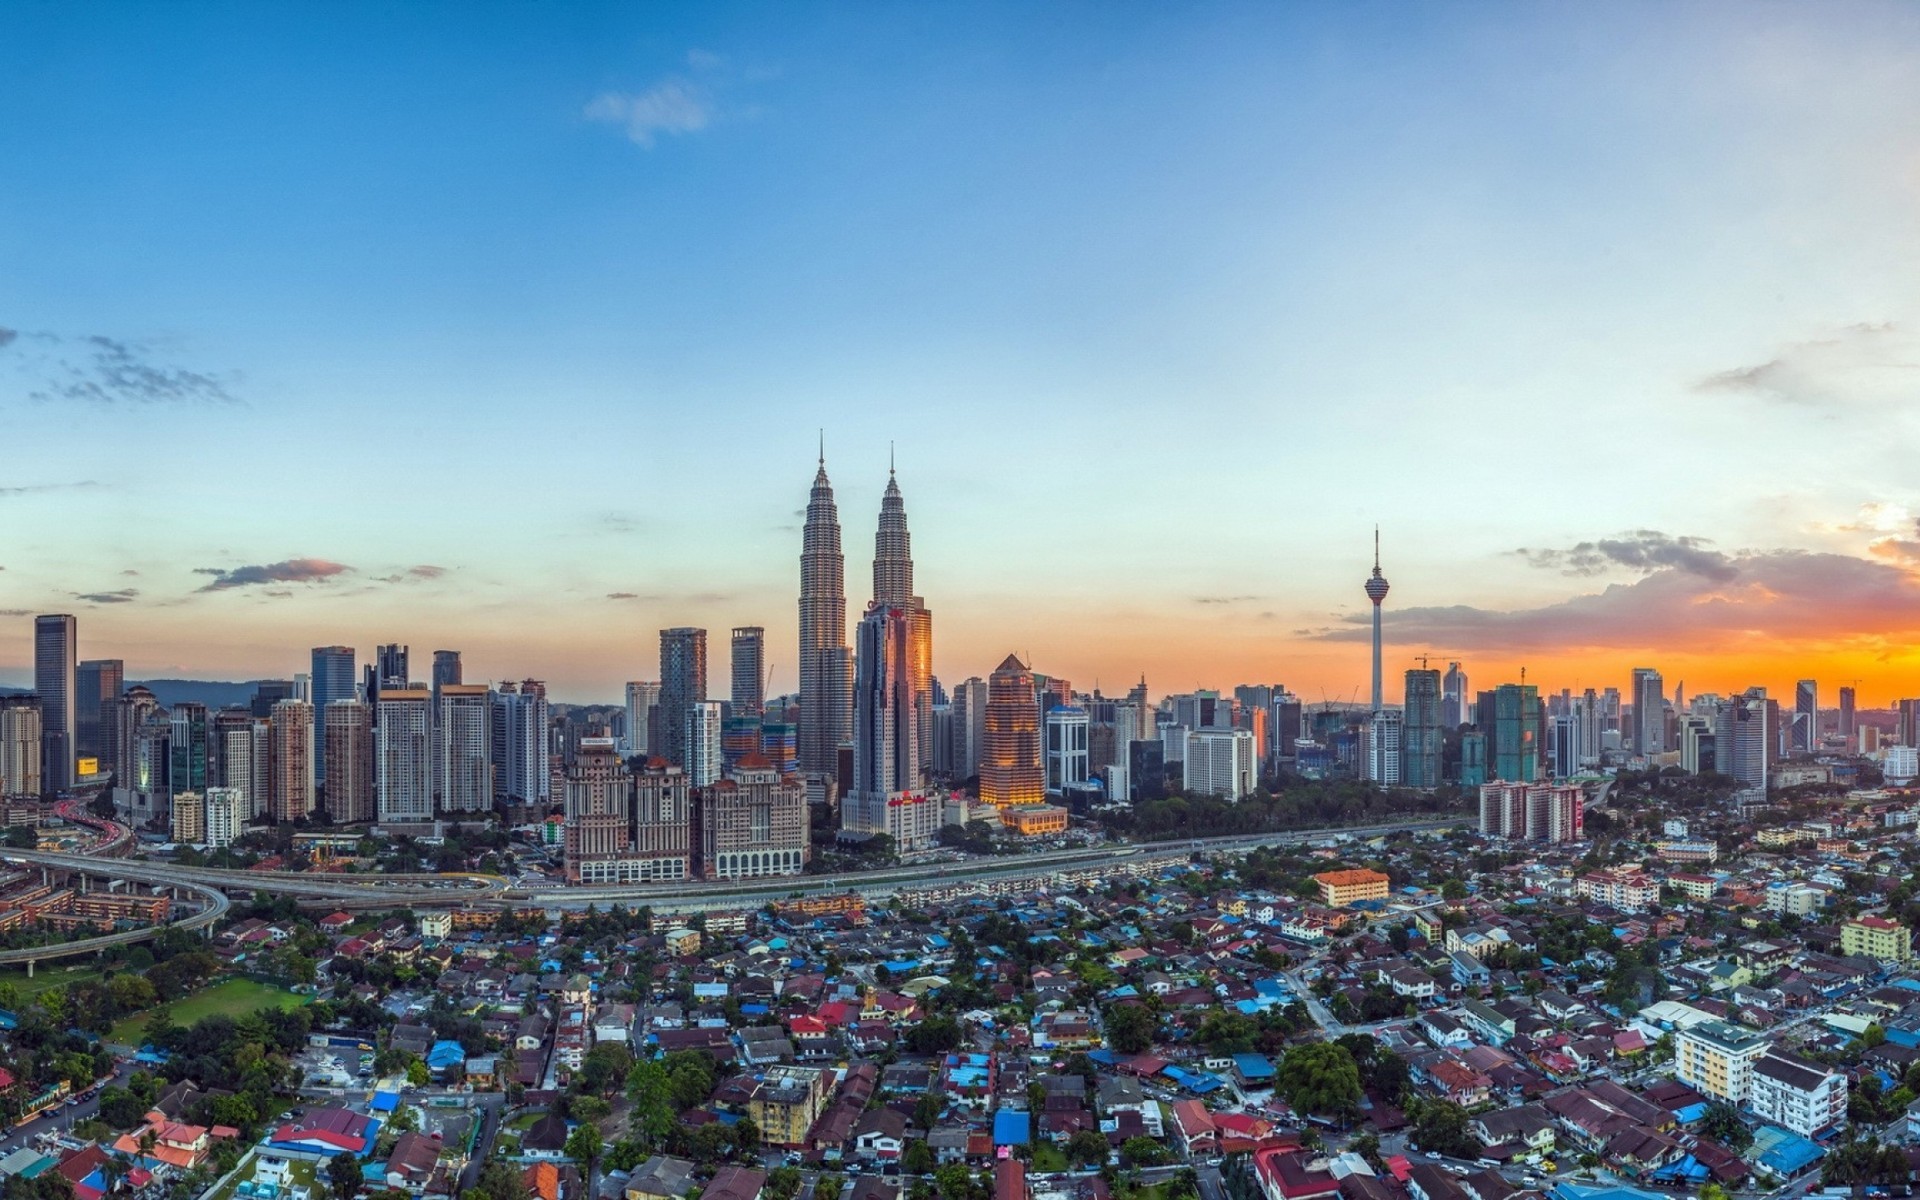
[{"x": 481, "y": 315}]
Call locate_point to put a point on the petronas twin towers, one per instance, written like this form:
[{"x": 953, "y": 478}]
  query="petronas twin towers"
[{"x": 883, "y": 703}]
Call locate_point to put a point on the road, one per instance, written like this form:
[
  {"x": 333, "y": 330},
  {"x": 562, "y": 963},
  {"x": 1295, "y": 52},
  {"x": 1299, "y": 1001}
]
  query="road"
[
  {"x": 470, "y": 890},
  {"x": 214, "y": 908},
  {"x": 63, "y": 1118}
]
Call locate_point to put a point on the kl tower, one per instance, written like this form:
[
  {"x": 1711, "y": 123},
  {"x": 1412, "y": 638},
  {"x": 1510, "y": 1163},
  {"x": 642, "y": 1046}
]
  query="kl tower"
[{"x": 1376, "y": 592}]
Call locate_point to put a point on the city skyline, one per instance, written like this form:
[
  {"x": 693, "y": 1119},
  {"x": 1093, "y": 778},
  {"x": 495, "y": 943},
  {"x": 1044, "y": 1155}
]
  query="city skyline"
[{"x": 1127, "y": 271}]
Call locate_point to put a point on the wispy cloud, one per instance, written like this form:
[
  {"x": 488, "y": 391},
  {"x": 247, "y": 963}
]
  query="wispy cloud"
[
  {"x": 1224, "y": 599},
  {"x": 293, "y": 570},
  {"x": 674, "y": 105},
  {"x": 420, "y": 574},
  {"x": 1868, "y": 362},
  {"x": 672, "y": 597},
  {"x": 38, "y": 489},
  {"x": 123, "y": 596},
  {"x": 1642, "y": 550},
  {"x": 97, "y": 369},
  {"x": 1782, "y": 596}
]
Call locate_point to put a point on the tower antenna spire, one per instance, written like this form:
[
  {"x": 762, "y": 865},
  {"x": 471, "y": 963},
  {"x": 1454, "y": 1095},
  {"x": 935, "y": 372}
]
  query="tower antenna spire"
[
  {"x": 1376, "y": 546},
  {"x": 823, "y": 462},
  {"x": 889, "y": 459}
]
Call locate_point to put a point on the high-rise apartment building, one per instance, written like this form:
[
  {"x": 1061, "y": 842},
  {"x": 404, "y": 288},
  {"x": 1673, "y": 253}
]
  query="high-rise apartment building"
[
  {"x": 56, "y": 653},
  {"x": 128, "y": 717},
  {"x": 1744, "y": 739},
  {"x": 290, "y": 768},
  {"x": 227, "y": 812},
  {"x": 1849, "y": 724},
  {"x": 96, "y": 681},
  {"x": 749, "y": 666},
  {"x": 462, "y": 741},
  {"x": 335, "y": 677},
  {"x": 706, "y": 748},
  {"x": 643, "y": 703},
  {"x": 599, "y": 819},
  {"x": 349, "y": 793},
  {"x": 190, "y": 818},
  {"x": 240, "y": 758},
  {"x": 522, "y": 763},
  {"x": 753, "y": 824},
  {"x": 1806, "y": 716},
  {"x": 969, "y": 726},
  {"x": 21, "y": 747},
  {"x": 1385, "y": 746},
  {"x": 1533, "y": 812},
  {"x": 662, "y": 825},
  {"x": 1011, "y": 772},
  {"x": 683, "y": 683},
  {"x": 1649, "y": 712},
  {"x": 403, "y": 756},
  {"x": 826, "y": 668},
  {"x": 1423, "y": 729},
  {"x": 1219, "y": 762}
]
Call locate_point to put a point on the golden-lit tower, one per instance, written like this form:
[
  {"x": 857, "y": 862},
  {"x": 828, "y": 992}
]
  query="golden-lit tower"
[{"x": 1010, "y": 769}]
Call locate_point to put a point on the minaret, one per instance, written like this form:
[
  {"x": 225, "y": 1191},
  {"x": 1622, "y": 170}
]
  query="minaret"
[
  {"x": 1376, "y": 592},
  {"x": 826, "y": 676}
]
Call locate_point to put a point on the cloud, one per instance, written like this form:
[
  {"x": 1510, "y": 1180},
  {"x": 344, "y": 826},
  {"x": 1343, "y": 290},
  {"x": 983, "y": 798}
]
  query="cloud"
[
  {"x": 1643, "y": 550},
  {"x": 115, "y": 372},
  {"x": 36, "y": 489},
  {"x": 1774, "y": 595},
  {"x": 623, "y": 595},
  {"x": 424, "y": 571},
  {"x": 1866, "y": 363},
  {"x": 672, "y": 597},
  {"x": 1224, "y": 599},
  {"x": 676, "y": 105},
  {"x": 7, "y": 336},
  {"x": 293, "y": 570},
  {"x": 123, "y": 596}
]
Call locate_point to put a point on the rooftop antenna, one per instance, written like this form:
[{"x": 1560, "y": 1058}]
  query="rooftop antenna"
[
  {"x": 823, "y": 446},
  {"x": 889, "y": 460}
]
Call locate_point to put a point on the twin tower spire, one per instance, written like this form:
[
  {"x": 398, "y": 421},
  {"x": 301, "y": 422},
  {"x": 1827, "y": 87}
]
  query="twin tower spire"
[{"x": 826, "y": 666}]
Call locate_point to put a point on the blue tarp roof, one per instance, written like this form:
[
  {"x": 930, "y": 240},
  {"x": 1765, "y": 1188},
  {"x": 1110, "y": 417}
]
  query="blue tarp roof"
[
  {"x": 1783, "y": 1152},
  {"x": 1253, "y": 1066},
  {"x": 446, "y": 1054},
  {"x": 385, "y": 1101},
  {"x": 1193, "y": 1081},
  {"x": 1010, "y": 1128}
]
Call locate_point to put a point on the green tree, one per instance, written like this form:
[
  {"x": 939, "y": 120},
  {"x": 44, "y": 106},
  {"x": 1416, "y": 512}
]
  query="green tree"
[
  {"x": 651, "y": 1094},
  {"x": 1144, "y": 1152},
  {"x": 1087, "y": 1148},
  {"x": 585, "y": 1145},
  {"x": 917, "y": 1159},
  {"x": 1130, "y": 1028},
  {"x": 1441, "y": 1126},
  {"x": 417, "y": 1074},
  {"x": 783, "y": 1183},
  {"x": 1320, "y": 1078},
  {"x": 1722, "y": 1123},
  {"x": 344, "y": 1176}
]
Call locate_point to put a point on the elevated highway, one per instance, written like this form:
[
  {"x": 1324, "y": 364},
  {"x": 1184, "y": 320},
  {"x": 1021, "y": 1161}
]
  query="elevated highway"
[{"x": 418, "y": 890}]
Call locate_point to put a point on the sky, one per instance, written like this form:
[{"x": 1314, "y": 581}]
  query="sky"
[{"x": 513, "y": 328}]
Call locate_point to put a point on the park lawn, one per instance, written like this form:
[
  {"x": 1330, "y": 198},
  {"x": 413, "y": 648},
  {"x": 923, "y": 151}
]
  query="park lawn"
[
  {"x": 1049, "y": 1157},
  {"x": 48, "y": 975},
  {"x": 233, "y": 998}
]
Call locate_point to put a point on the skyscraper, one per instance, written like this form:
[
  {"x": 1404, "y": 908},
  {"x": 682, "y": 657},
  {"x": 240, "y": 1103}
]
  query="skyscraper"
[
  {"x": 463, "y": 758},
  {"x": 753, "y": 823},
  {"x": 1454, "y": 697},
  {"x": 969, "y": 726},
  {"x": 893, "y": 587},
  {"x": 885, "y": 796},
  {"x": 643, "y": 698},
  {"x": 1848, "y": 725},
  {"x": 390, "y": 666},
  {"x": 56, "y": 649},
  {"x": 96, "y": 681},
  {"x": 1386, "y": 751},
  {"x": 1806, "y": 716},
  {"x": 521, "y": 758},
  {"x": 749, "y": 670},
  {"x": 704, "y": 744},
  {"x": 1422, "y": 730},
  {"x": 1010, "y": 769},
  {"x": 1649, "y": 712},
  {"x": 683, "y": 683},
  {"x": 1509, "y": 717},
  {"x": 403, "y": 756},
  {"x": 20, "y": 747},
  {"x": 826, "y": 676},
  {"x": 189, "y": 748},
  {"x": 1376, "y": 589},
  {"x": 446, "y": 669},
  {"x": 350, "y": 769},
  {"x": 334, "y": 678},
  {"x": 290, "y": 768}
]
